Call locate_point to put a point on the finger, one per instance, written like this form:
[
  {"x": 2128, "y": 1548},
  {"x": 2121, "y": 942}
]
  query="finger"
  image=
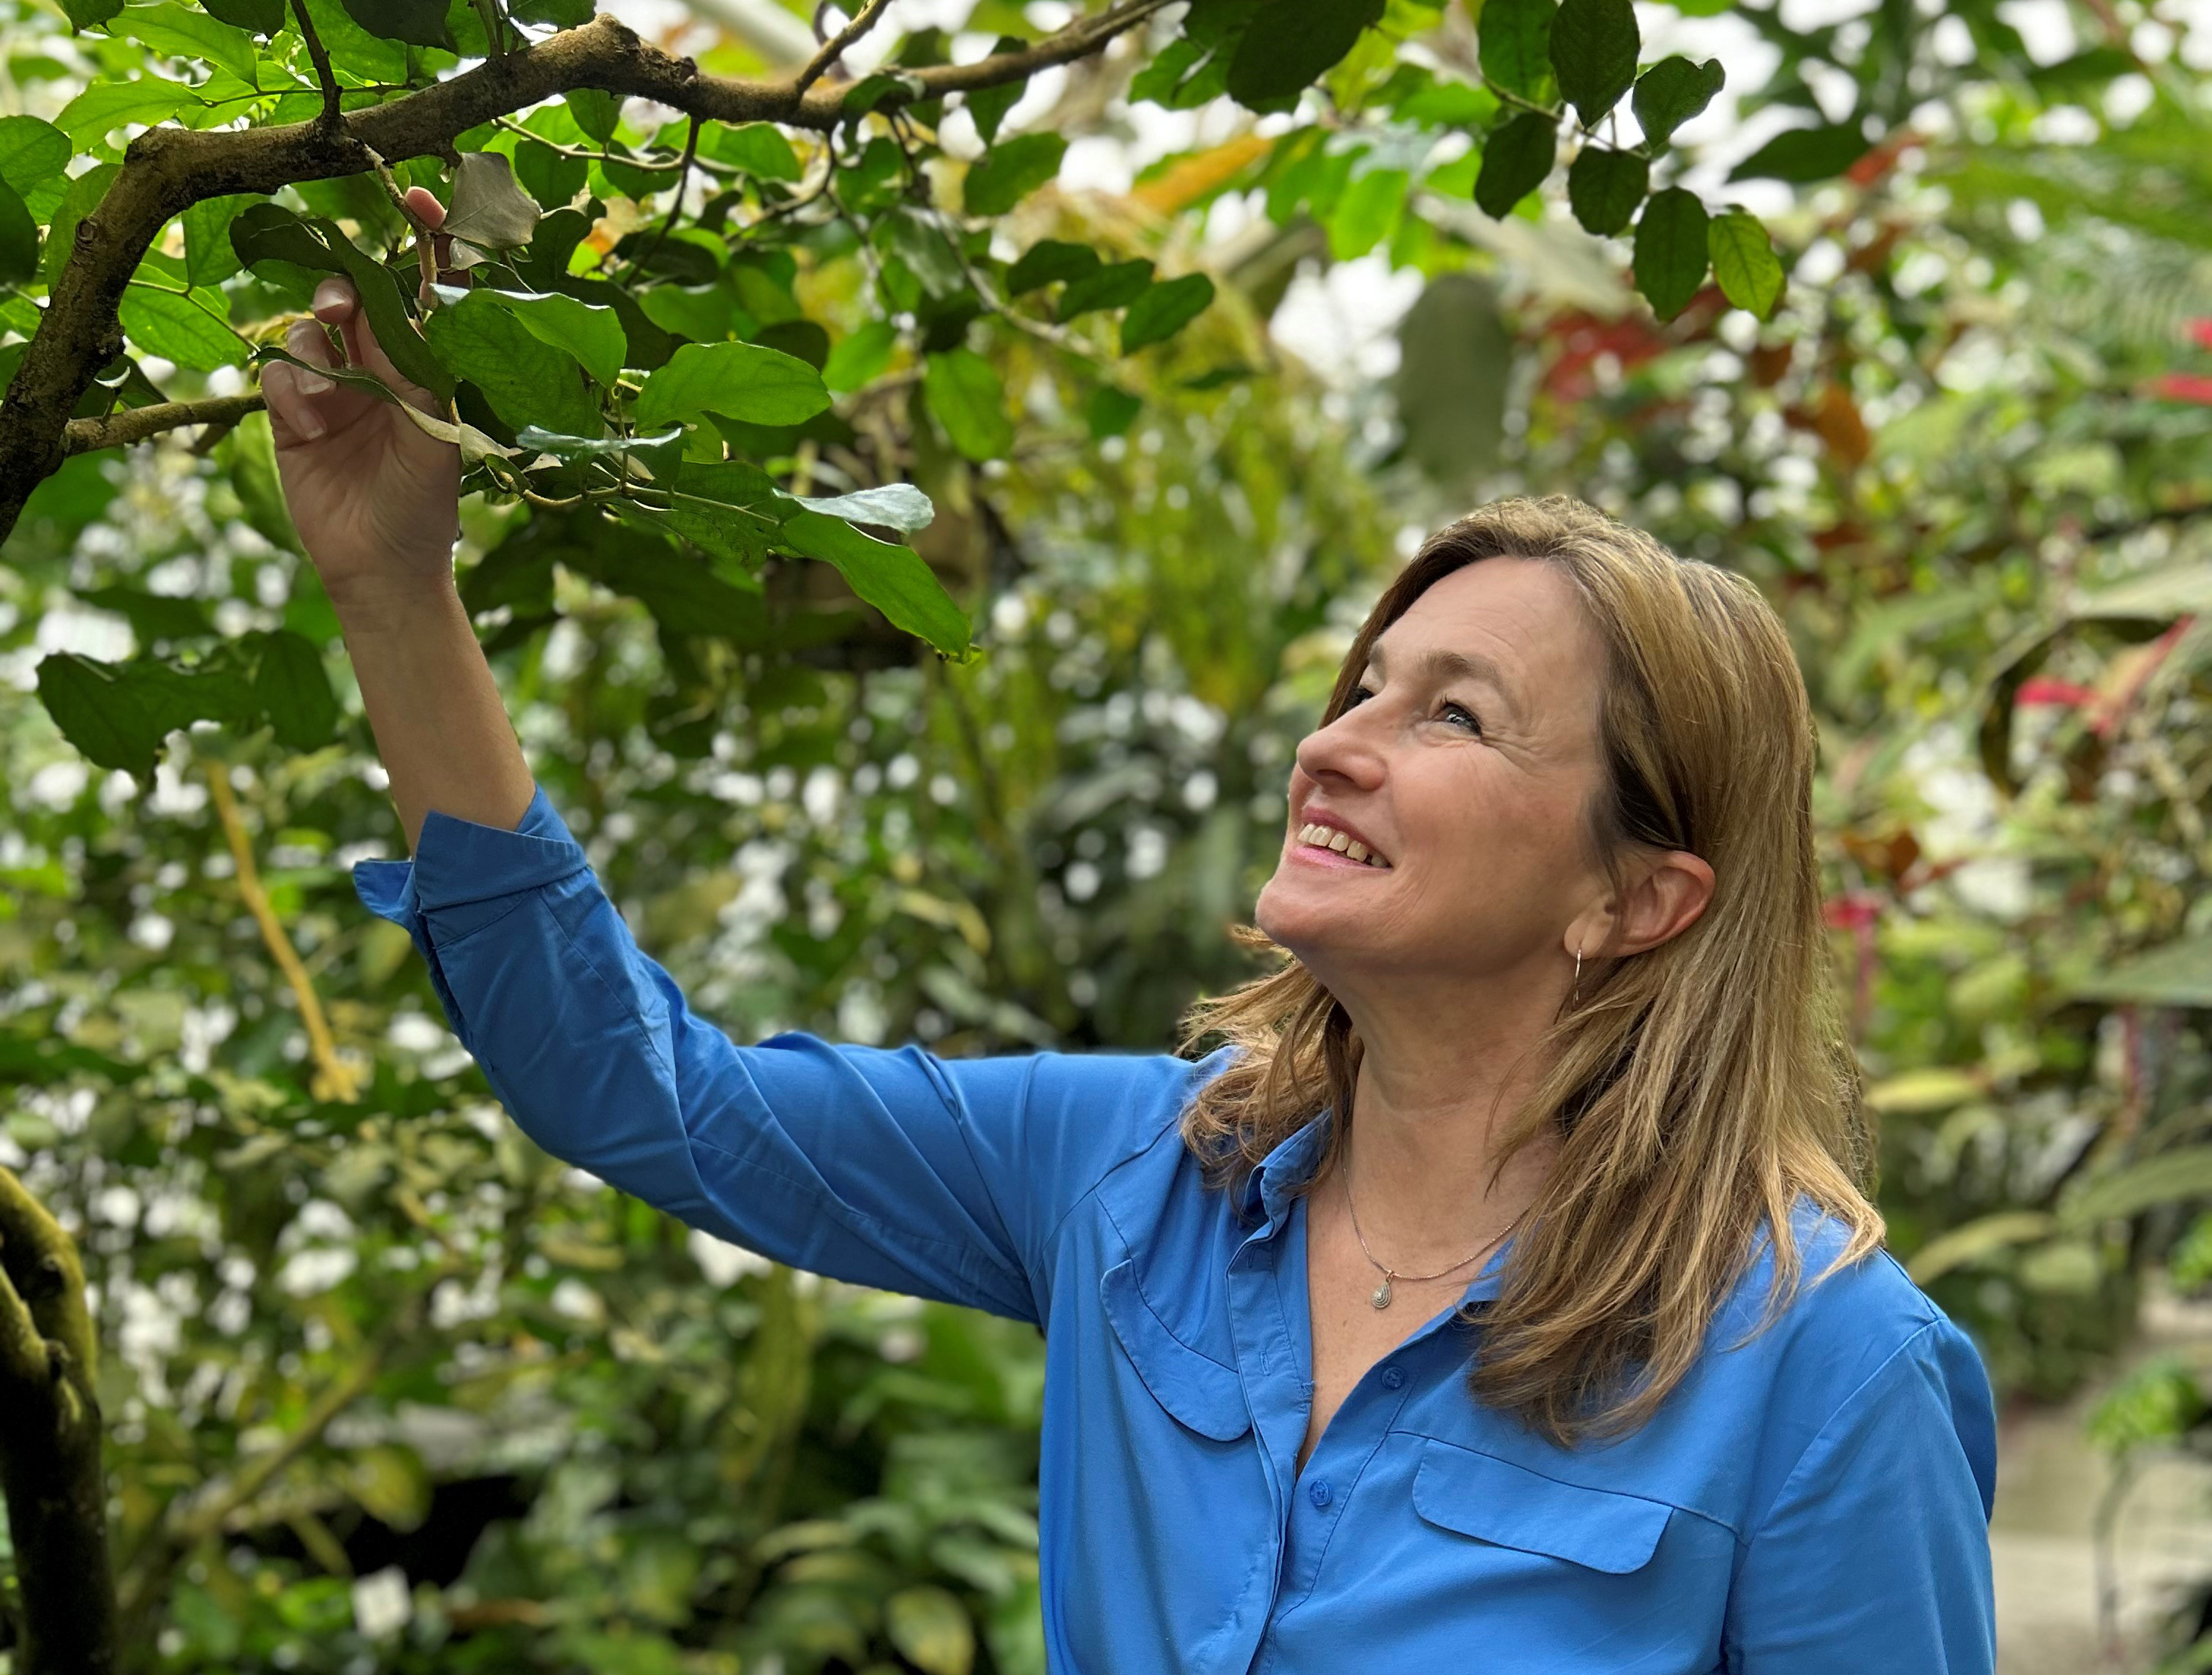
[
  {"x": 293, "y": 418},
  {"x": 424, "y": 204},
  {"x": 308, "y": 341},
  {"x": 336, "y": 303}
]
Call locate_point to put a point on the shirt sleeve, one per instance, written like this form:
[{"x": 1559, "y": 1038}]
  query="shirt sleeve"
[
  {"x": 1875, "y": 1555},
  {"x": 889, "y": 1168}
]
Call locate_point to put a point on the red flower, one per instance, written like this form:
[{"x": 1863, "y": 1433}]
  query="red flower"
[
  {"x": 1853, "y": 912},
  {"x": 2200, "y": 333},
  {"x": 2184, "y": 386}
]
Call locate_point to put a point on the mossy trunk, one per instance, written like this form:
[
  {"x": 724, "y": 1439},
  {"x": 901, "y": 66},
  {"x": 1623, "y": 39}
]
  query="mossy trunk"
[{"x": 50, "y": 1448}]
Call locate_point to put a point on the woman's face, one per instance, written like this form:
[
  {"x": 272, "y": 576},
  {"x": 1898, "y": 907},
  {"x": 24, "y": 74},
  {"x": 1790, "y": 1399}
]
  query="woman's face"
[{"x": 1467, "y": 765}]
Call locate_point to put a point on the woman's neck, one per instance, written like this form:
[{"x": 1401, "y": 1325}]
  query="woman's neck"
[{"x": 1432, "y": 1109}]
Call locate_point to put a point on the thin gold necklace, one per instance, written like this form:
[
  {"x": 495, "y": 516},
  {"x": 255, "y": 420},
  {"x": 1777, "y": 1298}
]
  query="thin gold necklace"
[{"x": 1380, "y": 1298}]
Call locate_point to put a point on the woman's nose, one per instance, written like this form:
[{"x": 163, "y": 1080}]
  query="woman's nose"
[{"x": 1342, "y": 752}]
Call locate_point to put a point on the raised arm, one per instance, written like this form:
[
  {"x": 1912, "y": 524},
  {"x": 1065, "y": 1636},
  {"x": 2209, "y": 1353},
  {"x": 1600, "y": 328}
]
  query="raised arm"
[{"x": 377, "y": 504}]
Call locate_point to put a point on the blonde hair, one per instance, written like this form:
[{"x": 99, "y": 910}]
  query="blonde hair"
[{"x": 1699, "y": 1090}]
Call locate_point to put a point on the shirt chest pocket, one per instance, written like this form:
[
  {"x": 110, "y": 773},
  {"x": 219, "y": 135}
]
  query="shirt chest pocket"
[
  {"x": 1199, "y": 1391},
  {"x": 1492, "y": 1501}
]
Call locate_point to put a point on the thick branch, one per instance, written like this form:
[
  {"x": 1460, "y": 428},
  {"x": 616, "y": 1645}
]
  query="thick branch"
[
  {"x": 50, "y": 1443},
  {"x": 136, "y": 424},
  {"x": 166, "y": 170}
]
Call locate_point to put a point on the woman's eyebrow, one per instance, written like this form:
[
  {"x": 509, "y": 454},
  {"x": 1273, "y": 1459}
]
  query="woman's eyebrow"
[{"x": 1441, "y": 665}]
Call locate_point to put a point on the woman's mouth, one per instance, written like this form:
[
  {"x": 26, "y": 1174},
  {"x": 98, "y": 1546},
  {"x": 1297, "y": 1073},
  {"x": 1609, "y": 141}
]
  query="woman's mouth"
[{"x": 1314, "y": 835}]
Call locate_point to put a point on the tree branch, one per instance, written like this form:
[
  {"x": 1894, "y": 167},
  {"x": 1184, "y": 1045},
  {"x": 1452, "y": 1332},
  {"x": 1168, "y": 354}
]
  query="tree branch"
[
  {"x": 334, "y": 1078},
  {"x": 136, "y": 424},
  {"x": 49, "y": 1446},
  {"x": 166, "y": 170},
  {"x": 321, "y": 57},
  {"x": 834, "y": 48}
]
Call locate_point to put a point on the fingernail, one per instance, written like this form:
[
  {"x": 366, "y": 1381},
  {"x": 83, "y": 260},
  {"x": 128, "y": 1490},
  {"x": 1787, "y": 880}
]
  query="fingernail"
[
  {"x": 311, "y": 424},
  {"x": 332, "y": 293}
]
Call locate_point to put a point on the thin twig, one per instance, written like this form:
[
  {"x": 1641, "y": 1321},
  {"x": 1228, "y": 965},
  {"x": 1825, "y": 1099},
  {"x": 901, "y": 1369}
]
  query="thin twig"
[
  {"x": 674, "y": 208},
  {"x": 834, "y": 48},
  {"x": 324, "y": 73},
  {"x": 426, "y": 236},
  {"x": 136, "y": 424},
  {"x": 334, "y": 1079}
]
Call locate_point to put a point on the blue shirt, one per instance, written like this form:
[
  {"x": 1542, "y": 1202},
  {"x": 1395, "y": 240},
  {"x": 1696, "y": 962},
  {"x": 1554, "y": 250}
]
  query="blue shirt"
[{"x": 1814, "y": 1499}]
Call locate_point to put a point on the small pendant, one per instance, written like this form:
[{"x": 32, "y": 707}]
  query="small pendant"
[{"x": 1380, "y": 1298}]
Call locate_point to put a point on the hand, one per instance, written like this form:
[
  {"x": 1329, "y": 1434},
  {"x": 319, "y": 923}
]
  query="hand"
[{"x": 376, "y": 502}]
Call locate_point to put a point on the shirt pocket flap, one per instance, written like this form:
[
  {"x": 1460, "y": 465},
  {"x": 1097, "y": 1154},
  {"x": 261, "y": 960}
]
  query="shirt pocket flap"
[
  {"x": 1198, "y": 1390},
  {"x": 1509, "y": 1506}
]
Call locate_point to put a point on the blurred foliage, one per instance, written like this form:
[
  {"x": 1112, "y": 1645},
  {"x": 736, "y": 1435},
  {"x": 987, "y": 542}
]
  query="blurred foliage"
[{"x": 390, "y": 1390}]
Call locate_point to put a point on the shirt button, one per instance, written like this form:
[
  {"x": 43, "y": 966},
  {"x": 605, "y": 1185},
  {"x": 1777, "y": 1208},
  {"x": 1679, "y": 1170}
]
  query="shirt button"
[
  {"x": 1318, "y": 1491},
  {"x": 1393, "y": 1377}
]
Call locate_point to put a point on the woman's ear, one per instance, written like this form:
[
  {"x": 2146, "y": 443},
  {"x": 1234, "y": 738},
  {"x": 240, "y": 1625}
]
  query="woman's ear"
[{"x": 1664, "y": 897}]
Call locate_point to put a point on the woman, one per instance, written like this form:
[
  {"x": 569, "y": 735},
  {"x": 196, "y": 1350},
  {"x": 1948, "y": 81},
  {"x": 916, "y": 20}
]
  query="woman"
[{"x": 1499, "y": 1294}]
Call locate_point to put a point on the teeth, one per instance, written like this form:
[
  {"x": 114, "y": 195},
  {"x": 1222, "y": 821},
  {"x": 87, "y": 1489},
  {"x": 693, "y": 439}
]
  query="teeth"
[{"x": 1327, "y": 837}]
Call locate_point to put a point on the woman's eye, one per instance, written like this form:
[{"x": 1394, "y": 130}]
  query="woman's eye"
[
  {"x": 1359, "y": 695},
  {"x": 1461, "y": 715}
]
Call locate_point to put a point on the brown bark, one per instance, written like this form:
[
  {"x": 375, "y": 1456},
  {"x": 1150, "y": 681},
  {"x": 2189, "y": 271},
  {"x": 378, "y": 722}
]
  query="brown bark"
[
  {"x": 166, "y": 170},
  {"x": 50, "y": 1443}
]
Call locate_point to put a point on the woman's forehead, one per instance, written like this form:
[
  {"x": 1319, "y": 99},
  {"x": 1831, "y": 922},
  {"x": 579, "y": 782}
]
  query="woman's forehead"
[{"x": 1518, "y": 619}]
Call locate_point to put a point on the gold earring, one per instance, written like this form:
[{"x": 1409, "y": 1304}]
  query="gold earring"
[{"x": 1576, "y": 998}]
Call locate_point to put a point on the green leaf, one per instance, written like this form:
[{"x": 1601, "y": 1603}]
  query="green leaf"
[
  {"x": 1604, "y": 187},
  {"x": 1008, "y": 173},
  {"x": 181, "y": 32},
  {"x": 590, "y": 333},
  {"x": 31, "y": 152},
  {"x": 118, "y": 715},
  {"x": 562, "y": 14},
  {"x": 987, "y": 106},
  {"x": 1670, "y": 251},
  {"x": 597, "y": 112},
  {"x": 2175, "y": 973},
  {"x": 490, "y": 210},
  {"x": 898, "y": 505},
  {"x": 1165, "y": 309},
  {"x": 525, "y": 377},
  {"x": 931, "y": 1629},
  {"x": 292, "y": 687},
  {"x": 893, "y": 578},
  {"x": 1048, "y": 261},
  {"x": 268, "y": 231},
  {"x": 1514, "y": 161},
  {"x": 1516, "y": 46},
  {"x": 1744, "y": 262},
  {"x": 1803, "y": 156},
  {"x": 964, "y": 392},
  {"x": 758, "y": 147},
  {"x": 1367, "y": 213},
  {"x": 728, "y": 508},
  {"x": 743, "y": 381},
  {"x": 1290, "y": 43},
  {"x": 153, "y": 616},
  {"x": 263, "y": 17},
  {"x": 859, "y": 361},
  {"x": 181, "y": 329},
  {"x": 86, "y": 13},
  {"x": 208, "y": 257},
  {"x": 700, "y": 313},
  {"x": 1673, "y": 91},
  {"x": 19, "y": 238},
  {"x": 1108, "y": 285},
  {"x": 104, "y": 106},
  {"x": 417, "y": 22},
  {"x": 1594, "y": 48},
  {"x": 1110, "y": 412},
  {"x": 2166, "y": 1177}
]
